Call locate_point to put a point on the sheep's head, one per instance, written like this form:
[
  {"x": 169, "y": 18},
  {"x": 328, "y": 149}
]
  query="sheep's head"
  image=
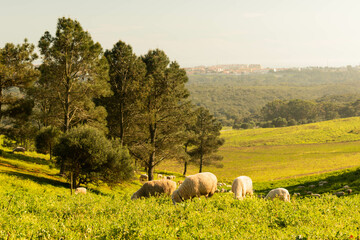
[
  {"x": 134, "y": 196},
  {"x": 176, "y": 197}
]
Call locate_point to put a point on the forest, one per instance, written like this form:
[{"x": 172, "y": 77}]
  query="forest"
[
  {"x": 100, "y": 113},
  {"x": 242, "y": 97}
]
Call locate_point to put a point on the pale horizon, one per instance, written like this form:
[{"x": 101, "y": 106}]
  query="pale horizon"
[{"x": 275, "y": 33}]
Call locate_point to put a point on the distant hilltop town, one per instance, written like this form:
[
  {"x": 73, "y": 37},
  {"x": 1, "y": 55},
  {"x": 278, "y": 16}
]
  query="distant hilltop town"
[
  {"x": 243, "y": 69},
  {"x": 227, "y": 69}
]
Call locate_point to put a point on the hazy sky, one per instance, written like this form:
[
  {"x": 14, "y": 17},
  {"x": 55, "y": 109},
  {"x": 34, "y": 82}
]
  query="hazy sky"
[{"x": 273, "y": 33}]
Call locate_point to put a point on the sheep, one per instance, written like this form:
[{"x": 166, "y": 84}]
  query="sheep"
[
  {"x": 348, "y": 191},
  {"x": 296, "y": 194},
  {"x": 155, "y": 187},
  {"x": 346, "y": 187},
  {"x": 195, "y": 186},
  {"x": 312, "y": 186},
  {"x": 241, "y": 186},
  {"x": 143, "y": 177},
  {"x": 339, "y": 194},
  {"x": 280, "y": 193},
  {"x": 180, "y": 182},
  {"x": 80, "y": 190},
  {"x": 19, "y": 149},
  {"x": 316, "y": 195},
  {"x": 160, "y": 176},
  {"x": 171, "y": 177},
  {"x": 300, "y": 187}
]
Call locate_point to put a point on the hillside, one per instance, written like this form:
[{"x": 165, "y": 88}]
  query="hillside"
[
  {"x": 36, "y": 203},
  {"x": 278, "y": 153},
  {"x": 233, "y": 96}
]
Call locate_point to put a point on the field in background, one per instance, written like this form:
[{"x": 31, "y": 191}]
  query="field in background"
[{"x": 267, "y": 154}]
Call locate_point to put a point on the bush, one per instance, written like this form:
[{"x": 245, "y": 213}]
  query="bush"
[
  {"x": 46, "y": 139},
  {"x": 280, "y": 122},
  {"x": 91, "y": 157}
]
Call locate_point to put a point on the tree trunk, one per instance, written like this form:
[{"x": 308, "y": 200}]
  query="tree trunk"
[
  {"x": 185, "y": 168},
  {"x": 151, "y": 167},
  {"x": 121, "y": 124}
]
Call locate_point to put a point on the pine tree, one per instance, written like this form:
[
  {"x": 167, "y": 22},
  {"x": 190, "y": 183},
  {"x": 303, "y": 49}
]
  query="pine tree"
[
  {"x": 160, "y": 124},
  {"x": 76, "y": 72},
  {"x": 205, "y": 139}
]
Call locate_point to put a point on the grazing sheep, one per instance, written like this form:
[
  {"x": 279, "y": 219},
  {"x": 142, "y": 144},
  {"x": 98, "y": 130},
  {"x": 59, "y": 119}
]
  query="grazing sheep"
[
  {"x": 160, "y": 176},
  {"x": 180, "y": 182},
  {"x": 195, "y": 186},
  {"x": 143, "y": 177},
  {"x": 80, "y": 190},
  {"x": 348, "y": 191},
  {"x": 316, "y": 195},
  {"x": 323, "y": 182},
  {"x": 155, "y": 187},
  {"x": 241, "y": 186},
  {"x": 19, "y": 149},
  {"x": 346, "y": 187},
  {"x": 300, "y": 187},
  {"x": 339, "y": 194},
  {"x": 280, "y": 193},
  {"x": 309, "y": 192},
  {"x": 296, "y": 194},
  {"x": 171, "y": 177},
  {"x": 312, "y": 186}
]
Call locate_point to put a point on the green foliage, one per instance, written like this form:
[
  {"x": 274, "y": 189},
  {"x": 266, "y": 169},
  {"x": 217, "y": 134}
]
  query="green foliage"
[
  {"x": 163, "y": 112},
  {"x": 126, "y": 74},
  {"x": 46, "y": 139},
  {"x": 17, "y": 74},
  {"x": 85, "y": 152},
  {"x": 205, "y": 140},
  {"x": 75, "y": 72},
  {"x": 231, "y": 97}
]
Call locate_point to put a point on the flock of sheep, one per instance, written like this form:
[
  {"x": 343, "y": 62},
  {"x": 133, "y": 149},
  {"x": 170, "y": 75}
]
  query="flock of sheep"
[{"x": 202, "y": 184}]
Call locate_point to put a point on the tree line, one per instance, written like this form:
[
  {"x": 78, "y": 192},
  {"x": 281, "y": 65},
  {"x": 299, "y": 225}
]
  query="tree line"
[
  {"x": 231, "y": 97},
  {"x": 281, "y": 113},
  {"x": 96, "y": 111}
]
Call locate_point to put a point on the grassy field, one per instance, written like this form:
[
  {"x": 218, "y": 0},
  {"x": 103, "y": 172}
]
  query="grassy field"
[
  {"x": 278, "y": 153},
  {"x": 36, "y": 202}
]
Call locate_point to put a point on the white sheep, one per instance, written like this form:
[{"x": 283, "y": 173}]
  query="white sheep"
[
  {"x": 160, "y": 176},
  {"x": 280, "y": 193},
  {"x": 143, "y": 177},
  {"x": 241, "y": 186},
  {"x": 155, "y": 187},
  {"x": 195, "y": 186},
  {"x": 80, "y": 190},
  {"x": 19, "y": 149}
]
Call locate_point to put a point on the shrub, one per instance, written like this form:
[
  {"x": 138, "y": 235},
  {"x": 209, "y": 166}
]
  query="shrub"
[{"x": 91, "y": 157}]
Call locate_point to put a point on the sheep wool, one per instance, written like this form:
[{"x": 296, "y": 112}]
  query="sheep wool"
[
  {"x": 241, "y": 186},
  {"x": 280, "y": 193},
  {"x": 80, "y": 190},
  {"x": 155, "y": 187},
  {"x": 195, "y": 186}
]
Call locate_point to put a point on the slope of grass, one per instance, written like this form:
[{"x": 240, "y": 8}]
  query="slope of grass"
[
  {"x": 278, "y": 153},
  {"x": 35, "y": 203},
  {"x": 339, "y": 130}
]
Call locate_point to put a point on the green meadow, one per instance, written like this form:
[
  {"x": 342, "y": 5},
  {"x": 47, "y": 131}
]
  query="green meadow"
[
  {"x": 268, "y": 154},
  {"x": 36, "y": 203}
]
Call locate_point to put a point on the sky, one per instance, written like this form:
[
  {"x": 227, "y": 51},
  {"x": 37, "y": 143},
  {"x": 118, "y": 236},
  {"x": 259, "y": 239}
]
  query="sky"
[{"x": 273, "y": 33}]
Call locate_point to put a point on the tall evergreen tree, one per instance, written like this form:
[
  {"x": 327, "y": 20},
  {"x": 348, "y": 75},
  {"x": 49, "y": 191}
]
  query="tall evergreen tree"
[
  {"x": 126, "y": 72},
  {"x": 17, "y": 73},
  {"x": 165, "y": 107},
  {"x": 205, "y": 140},
  {"x": 76, "y": 72}
]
